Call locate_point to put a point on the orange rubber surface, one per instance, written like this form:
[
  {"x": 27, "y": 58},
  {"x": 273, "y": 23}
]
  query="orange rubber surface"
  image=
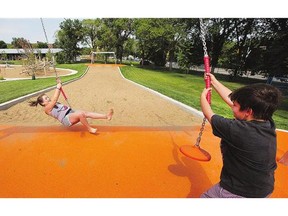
[{"x": 117, "y": 162}]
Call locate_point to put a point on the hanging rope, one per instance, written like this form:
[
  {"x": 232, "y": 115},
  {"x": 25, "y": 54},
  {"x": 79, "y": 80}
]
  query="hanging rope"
[
  {"x": 44, "y": 32},
  {"x": 208, "y": 80},
  {"x": 53, "y": 62},
  {"x": 195, "y": 152}
]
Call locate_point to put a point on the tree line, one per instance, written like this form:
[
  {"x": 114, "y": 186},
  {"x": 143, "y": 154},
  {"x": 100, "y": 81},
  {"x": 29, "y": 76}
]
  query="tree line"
[{"x": 241, "y": 45}]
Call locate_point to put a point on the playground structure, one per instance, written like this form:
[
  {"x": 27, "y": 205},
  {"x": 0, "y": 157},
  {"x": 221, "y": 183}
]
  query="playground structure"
[
  {"x": 106, "y": 54},
  {"x": 3, "y": 69},
  {"x": 37, "y": 65},
  {"x": 32, "y": 61}
]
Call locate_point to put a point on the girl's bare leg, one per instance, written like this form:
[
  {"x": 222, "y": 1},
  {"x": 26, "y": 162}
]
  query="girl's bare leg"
[
  {"x": 80, "y": 116},
  {"x": 94, "y": 115}
]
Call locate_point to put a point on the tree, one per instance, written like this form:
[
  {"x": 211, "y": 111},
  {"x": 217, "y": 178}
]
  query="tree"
[
  {"x": 17, "y": 42},
  {"x": 219, "y": 30},
  {"x": 91, "y": 28},
  {"x": 242, "y": 40},
  {"x": 29, "y": 58},
  {"x": 120, "y": 30},
  {"x": 3, "y": 45},
  {"x": 190, "y": 48},
  {"x": 275, "y": 60},
  {"x": 41, "y": 45},
  {"x": 142, "y": 27},
  {"x": 160, "y": 44},
  {"x": 130, "y": 47},
  {"x": 176, "y": 30},
  {"x": 184, "y": 55},
  {"x": 68, "y": 37},
  {"x": 157, "y": 39},
  {"x": 107, "y": 40},
  {"x": 259, "y": 46}
]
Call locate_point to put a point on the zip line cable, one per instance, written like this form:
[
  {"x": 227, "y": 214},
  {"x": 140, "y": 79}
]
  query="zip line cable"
[{"x": 53, "y": 61}]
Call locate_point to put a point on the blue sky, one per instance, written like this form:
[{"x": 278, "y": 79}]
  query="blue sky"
[{"x": 29, "y": 28}]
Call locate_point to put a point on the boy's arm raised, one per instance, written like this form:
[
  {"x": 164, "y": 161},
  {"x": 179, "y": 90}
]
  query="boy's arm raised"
[
  {"x": 205, "y": 106},
  {"x": 222, "y": 90}
]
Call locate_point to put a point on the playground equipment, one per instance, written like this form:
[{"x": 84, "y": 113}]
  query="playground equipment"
[
  {"x": 93, "y": 54},
  {"x": 53, "y": 61},
  {"x": 31, "y": 63},
  {"x": 196, "y": 152}
]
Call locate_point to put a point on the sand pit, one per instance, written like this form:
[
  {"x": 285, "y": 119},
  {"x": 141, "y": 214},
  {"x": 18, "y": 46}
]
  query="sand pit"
[{"x": 16, "y": 71}]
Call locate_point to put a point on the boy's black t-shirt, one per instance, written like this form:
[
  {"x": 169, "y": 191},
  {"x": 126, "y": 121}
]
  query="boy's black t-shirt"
[{"x": 249, "y": 155}]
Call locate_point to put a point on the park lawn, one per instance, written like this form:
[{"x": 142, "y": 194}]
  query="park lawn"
[
  {"x": 187, "y": 88},
  {"x": 13, "y": 89}
]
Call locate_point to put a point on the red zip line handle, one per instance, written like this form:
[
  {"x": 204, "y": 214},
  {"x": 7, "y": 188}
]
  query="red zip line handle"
[
  {"x": 63, "y": 93},
  {"x": 208, "y": 78},
  {"x": 65, "y": 97},
  {"x": 61, "y": 89}
]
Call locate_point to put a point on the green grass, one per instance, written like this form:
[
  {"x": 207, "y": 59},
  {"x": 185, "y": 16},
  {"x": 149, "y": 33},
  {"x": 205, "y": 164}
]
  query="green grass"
[
  {"x": 187, "y": 88},
  {"x": 13, "y": 89}
]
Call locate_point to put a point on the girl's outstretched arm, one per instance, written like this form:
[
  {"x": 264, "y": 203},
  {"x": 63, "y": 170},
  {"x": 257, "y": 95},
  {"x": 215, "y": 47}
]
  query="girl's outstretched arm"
[{"x": 54, "y": 99}]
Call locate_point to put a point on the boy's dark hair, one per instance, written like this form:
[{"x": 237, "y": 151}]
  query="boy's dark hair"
[
  {"x": 39, "y": 100},
  {"x": 263, "y": 99}
]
